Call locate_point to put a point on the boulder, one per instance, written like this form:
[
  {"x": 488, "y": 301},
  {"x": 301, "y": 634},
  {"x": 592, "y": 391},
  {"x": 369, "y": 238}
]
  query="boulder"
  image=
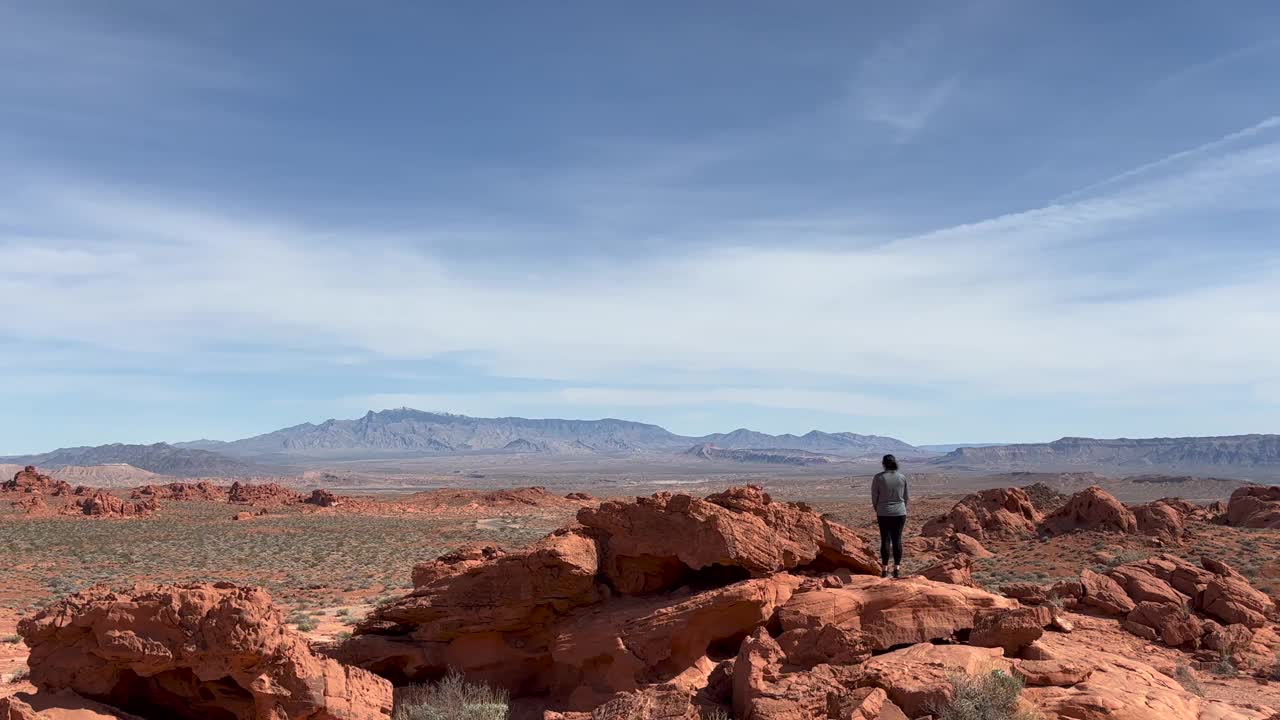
[
  {"x": 1232, "y": 600},
  {"x": 863, "y": 704},
  {"x": 957, "y": 570},
  {"x": 892, "y": 612},
  {"x": 918, "y": 678},
  {"x": 996, "y": 513},
  {"x": 1255, "y": 506},
  {"x": 1143, "y": 586},
  {"x": 30, "y": 480},
  {"x": 1052, "y": 673},
  {"x": 1171, "y": 622},
  {"x": 1026, "y": 593},
  {"x": 763, "y": 691},
  {"x": 661, "y": 542},
  {"x": 806, "y": 647},
  {"x": 193, "y": 651},
  {"x": 1090, "y": 509},
  {"x": 1104, "y": 594},
  {"x": 323, "y": 498},
  {"x": 1009, "y": 630},
  {"x": 63, "y": 705},
  {"x": 1161, "y": 519},
  {"x": 1120, "y": 688}
]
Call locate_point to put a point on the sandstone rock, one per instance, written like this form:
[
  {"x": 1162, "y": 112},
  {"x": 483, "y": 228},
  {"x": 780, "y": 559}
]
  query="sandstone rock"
[
  {"x": 1037, "y": 651},
  {"x": 1090, "y": 509},
  {"x": 1145, "y": 632},
  {"x": 1255, "y": 506},
  {"x": 996, "y": 513},
  {"x": 104, "y": 504},
  {"x": 1009, "y": 630},
  {"x": 193, "y": 651},
  {"x": 1103, "y": 593},
  {"x": 1052, "y": 673},
  {"x": 1232, "y": 600},
  {"x": 863, "y": 704},
  {"x": 918, "y": 678},
  {"x": 806, "y": 647},
  {"x": 265, "y": 494},
  {"x": 32, "y": 504},
  {"x": 654, "y": 543},
  {"x": 1229, "y": 640},
  {"x": 892, "y": 612},
  {"x": 182, "y": 492},
  {"x": 579, "y": 496},
  {"x": 323, "y": 498},
  {"x": 1026, "y": 593},
  {"x": 956, "y": 571},
  {"x": 1125, "y": 689},
  {"x": 762, "y": 690},
  {"x": 1161, "y": 519},
  {"x": 58, "y": 706},
  {"x": 30, "y": 480},
  {"x": 1172, "y": 622},
  {"x": 651, "y": 703},
  {"x": 1142, "y": 586}
]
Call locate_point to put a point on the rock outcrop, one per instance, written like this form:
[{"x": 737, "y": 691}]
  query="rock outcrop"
[
  {"x": 30, "y": 480},
  {"x": 323, "y": 498},
  {"x": 193, "y": 651},
  {"x": 1091, "y": 509},
  {"x": 640, "y": 593},
  {"x": 182, "y": 492},
  {"x": 265, "y": 494},
  {"x": 997, "y": 513},
  {"x": 104, "y": 504},
  {"x": 1255, "y": 506}
]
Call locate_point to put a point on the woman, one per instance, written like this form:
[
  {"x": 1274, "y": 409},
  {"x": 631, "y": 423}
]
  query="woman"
[{"x": 889, "y": 496}]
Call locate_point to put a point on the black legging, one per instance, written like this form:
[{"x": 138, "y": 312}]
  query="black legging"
[{"x": 891, "y": 537}]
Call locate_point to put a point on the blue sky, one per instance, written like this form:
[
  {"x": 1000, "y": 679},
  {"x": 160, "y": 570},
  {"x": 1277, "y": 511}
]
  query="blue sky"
[{"x": 947, "y": 222}]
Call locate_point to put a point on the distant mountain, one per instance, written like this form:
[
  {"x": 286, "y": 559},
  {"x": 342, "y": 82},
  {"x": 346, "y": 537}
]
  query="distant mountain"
[
  {"x": 765, "y": 456},
  {"x": 413, "y": 431},
  {"x": 952, "y": 446},
  {"x": 1187, "y": 452},
  {"x": 160, "y": 458},
  {"x": 843, "y": 443}
]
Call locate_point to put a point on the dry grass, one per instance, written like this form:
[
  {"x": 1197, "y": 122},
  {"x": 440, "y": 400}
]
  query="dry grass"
[{"x": 453, "y": 698}]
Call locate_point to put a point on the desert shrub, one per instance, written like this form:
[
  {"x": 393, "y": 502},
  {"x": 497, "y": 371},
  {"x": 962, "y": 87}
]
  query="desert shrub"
[
  {"x": 717, "y": 714},
  {"x": 1226, "y": 666},
  {"x": 11, "y": 639},
  {"x": 453, "y": 698},
  {"x": 20, "y": 676},
  {"x": 993, "y": 696},
  {"x": 1188, "y": 681}
]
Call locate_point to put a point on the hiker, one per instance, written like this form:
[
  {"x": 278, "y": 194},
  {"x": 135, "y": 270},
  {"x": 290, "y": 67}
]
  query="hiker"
[{"x": 889, "y": 496}]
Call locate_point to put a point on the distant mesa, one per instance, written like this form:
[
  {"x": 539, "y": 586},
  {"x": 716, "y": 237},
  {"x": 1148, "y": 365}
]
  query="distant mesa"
[
  {"x": 1191, "y": 452},
  {"x": 160, "y": 459},
  {"x": 765, "y": 456}
]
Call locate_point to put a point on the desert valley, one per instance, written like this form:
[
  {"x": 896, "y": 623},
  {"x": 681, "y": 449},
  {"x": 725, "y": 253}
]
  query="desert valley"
[{"x": 608, "y": 569}]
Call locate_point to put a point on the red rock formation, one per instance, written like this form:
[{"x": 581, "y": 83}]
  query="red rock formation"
[
  {"x": 33, "y": 504},
  {"x": 998, "y": 513},
  {"x": 643, "y": 592},
  {"x": 1103, "y": 593},
  {"x": 912, "y": 610},
  {"x": 30, "y": 480},
  {"x": 182, "y": 492},
  {"x": 1255, "y": 506},
  {"x": 193, "y": 651},
  {"x": 1010, "y": 630},
  {"x": 918, "y": 678},
  {"x": 265, "y": 494},
  {"x": 104, "y": 504},
  {"x": 1162, "y": 519},
  {"x": 1091, "y": 509},
  {"x": 649, "y": 544},
  {"x": 956, "y": 570},
  {"x": 323, "y": 498},
  {"x": 579, "y": 496},
  {"x": 651, "y": 703}
]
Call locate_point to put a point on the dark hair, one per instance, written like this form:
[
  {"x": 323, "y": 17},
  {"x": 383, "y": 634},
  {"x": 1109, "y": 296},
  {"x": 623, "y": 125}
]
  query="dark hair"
[{"x": 890, "y": 463}]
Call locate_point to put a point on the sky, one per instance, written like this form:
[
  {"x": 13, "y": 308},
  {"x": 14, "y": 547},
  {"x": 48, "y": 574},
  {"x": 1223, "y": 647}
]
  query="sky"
[{"x": 946, "y": 222}]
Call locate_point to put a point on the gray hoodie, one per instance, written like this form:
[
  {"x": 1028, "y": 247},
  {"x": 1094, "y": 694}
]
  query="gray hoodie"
[{"x": 889, "y": 493}]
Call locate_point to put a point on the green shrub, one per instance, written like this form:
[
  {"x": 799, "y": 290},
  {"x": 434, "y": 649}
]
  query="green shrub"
[
  {"x": 1226, "y": 666},
  {"x": 453, "y": 698},
  {"x": 11, "y": 639},
  {"x": 993, "y": 696},
  {"x": 1188, "y": 681}
]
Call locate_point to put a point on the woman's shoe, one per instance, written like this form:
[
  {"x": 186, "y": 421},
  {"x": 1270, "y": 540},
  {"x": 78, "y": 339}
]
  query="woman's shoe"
[
  {"x": 884, "y": 571},
  {"x": 895, "y": 571}
]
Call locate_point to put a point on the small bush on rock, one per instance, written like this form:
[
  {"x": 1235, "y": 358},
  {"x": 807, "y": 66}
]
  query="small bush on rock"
[
  {"x": 985, "y": 697},
  {"x": 453, "y": 698}
]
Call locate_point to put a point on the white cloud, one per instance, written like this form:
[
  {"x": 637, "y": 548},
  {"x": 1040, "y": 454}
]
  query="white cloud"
[{"x": 1006, "y": 305}]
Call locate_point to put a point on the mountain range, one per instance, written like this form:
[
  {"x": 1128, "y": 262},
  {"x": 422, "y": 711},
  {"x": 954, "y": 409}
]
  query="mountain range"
[
  {"x": 1078, "y": 452},
  {"x": 407, "y": 433}
]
